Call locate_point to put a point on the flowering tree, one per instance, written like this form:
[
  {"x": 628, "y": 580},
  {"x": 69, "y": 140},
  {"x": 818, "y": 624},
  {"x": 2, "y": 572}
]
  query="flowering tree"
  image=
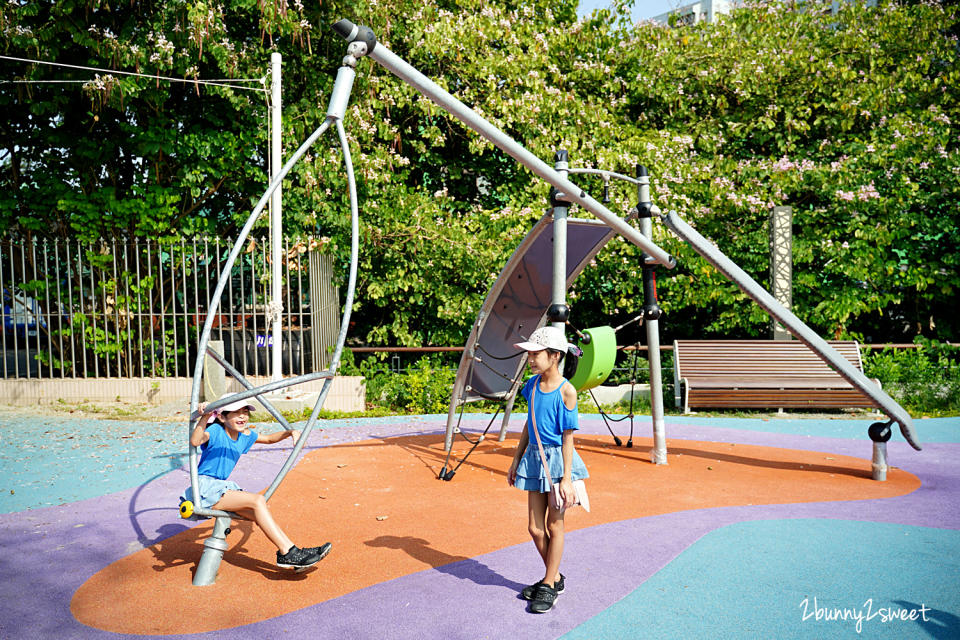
[{"x": 849, "y": 118}]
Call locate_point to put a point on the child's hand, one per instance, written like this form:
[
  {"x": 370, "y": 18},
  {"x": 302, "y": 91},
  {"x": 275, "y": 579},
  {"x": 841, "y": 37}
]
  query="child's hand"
[
  {"x": 295, "y": 434},
  {"x": 202, "y": 412},
  {"x": 512, "y": 474},
  {"x": 567, "y": 493}
]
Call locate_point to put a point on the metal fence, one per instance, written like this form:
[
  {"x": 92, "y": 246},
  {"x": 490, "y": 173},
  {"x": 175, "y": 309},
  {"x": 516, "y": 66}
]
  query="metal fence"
[{"x": 121, "y": 308}]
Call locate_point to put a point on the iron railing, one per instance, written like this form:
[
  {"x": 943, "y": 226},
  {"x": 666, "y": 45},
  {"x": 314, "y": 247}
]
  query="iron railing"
[{"x": 121, "y": 308}]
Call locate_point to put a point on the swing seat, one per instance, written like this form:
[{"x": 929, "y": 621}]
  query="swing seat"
[{"x": 597, "y": 360}]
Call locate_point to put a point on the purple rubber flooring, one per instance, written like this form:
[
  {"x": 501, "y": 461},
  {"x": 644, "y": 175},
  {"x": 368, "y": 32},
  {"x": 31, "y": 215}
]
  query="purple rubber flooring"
[{"x": 48, "y": 553}]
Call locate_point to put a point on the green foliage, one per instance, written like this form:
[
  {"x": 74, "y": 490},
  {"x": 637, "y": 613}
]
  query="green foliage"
[
  {"x": 424, "y": 387},
  {"x": 641, "y": 407},
  {"x": 845, "y": 117},
  {"x": 925, "y": 380},
  {"x": 850, "y": 118}
]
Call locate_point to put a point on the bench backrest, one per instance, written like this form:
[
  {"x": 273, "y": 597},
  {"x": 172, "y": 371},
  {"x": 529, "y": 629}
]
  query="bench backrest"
[{"x": 739, "y": 358}]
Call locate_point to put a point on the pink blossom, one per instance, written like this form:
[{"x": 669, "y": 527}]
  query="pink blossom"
[
  {"x": 867, "y": 192},
  {"x": 783, "y": 164}
]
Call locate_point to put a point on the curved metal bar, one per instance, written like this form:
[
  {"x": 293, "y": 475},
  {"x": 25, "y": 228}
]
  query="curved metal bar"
[
  {"x": 215, "y": 302},
  {"x": 601, "y": 172},
  {"x": 242, "y": 395},
  {"x": 229, "y": 368},
  {"x": 347, "y": 308},
  {"x": 266, "y": 388}
]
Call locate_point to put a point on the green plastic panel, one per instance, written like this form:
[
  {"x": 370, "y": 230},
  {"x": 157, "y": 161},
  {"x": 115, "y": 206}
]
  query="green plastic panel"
[{"x": 598, "y": 358}]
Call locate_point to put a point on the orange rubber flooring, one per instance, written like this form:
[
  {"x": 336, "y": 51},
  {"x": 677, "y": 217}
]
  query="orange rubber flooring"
[{"x": 388, "y": 525}]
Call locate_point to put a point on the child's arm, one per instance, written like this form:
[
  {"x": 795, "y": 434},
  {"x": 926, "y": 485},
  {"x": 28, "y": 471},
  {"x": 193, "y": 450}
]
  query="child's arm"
[
  {"x": 566, "y": 482},
  {"x": 517, "y": 456},
  {"x": 199, "y": 434},
  {"x": 277, "y": 436},
  {"x": 567, "y": 456}
]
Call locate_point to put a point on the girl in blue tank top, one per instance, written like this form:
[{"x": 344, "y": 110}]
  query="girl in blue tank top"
[
  {"x": 555, "y": 410},
  {"x": 223, "y": 436}
]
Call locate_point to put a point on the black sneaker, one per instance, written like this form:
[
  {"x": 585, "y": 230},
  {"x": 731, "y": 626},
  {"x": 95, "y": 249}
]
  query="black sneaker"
[
  {"x": 543, "y": 599},
  {"x": 296, "y": 558},
  {"x": 321, "y": 551},
  {"x": 527, "y": 593}
]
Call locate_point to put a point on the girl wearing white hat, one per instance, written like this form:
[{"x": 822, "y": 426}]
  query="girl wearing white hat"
[
  {"x": 552, "y": 408},
  {"x": 223, "y": 436}
]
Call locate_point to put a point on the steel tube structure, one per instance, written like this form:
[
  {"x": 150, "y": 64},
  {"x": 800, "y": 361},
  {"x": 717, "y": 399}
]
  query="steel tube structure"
[
  {"x": 569, "y": 191},
  {"x": 651, "y": 313},
  {"x": 802, "y": 332},
  {"x": 215, "y": 302},
  {"x": 213, "y": 547},
  {"x": 397, "y": 66},
  {"x": 341, "y": 93}
]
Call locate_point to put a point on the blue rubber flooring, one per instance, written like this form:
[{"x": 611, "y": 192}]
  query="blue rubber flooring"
[{"x": 803, "y": 578}]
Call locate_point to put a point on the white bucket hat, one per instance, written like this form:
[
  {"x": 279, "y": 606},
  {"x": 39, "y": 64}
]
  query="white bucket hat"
[
  {"x": 545, "y": 338},
  {"x": 236, "y": 406}
]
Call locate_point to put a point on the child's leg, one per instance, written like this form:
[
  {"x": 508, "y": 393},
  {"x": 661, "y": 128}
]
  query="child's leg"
[
  {"x": 543, "y": 529},
  {"x": 536, "y": 509},
  {"x": 254, "y": 506},
  {"x": 555, "y": 532}
]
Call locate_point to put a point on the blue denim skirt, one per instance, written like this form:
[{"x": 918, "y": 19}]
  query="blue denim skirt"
[
  {"x": 211, "y": 490},
  {"x": 530, "y": 475}
]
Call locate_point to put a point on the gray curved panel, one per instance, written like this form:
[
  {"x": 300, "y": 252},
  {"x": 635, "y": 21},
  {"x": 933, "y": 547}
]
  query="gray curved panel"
[{"x": 517, "y": 305}]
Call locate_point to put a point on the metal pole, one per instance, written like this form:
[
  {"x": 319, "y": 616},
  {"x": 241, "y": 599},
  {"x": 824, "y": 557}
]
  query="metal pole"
[
  {"x": 390, "y": 61},
  {"x": 651, "y": 316},
  {"x": 276, "y": 223},
  {"x": 213, "y": 548},
  {"x": 879, "y": 463},
  {"x": 559, "y": 312},
  {"x": 880, "y": 434},
  {"x": 793, "y": 324}
]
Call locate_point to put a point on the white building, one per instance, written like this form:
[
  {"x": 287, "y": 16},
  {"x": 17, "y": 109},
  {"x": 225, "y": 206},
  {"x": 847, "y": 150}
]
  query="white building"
[
  {"x": 708, "y": 10},
  {"x": 695, "y": 12}
]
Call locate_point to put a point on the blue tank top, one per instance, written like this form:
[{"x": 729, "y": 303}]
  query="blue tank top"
[
  {"x": 553, "y": 416},
  {"x": 219, "y": 454}
]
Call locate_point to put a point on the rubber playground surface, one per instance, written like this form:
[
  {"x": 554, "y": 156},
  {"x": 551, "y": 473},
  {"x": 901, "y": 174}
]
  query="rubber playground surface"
[{"x": 756, "y": 528}]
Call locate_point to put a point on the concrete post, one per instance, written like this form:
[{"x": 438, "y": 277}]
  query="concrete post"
[
  {"x": 781, "y": 263},
  {"x": 214, "y": 377}
]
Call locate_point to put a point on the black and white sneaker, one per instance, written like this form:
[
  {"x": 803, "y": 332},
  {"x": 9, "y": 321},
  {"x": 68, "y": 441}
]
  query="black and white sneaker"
[
  {"x": 543, "y": 599},
  {"x": 528, "y": 591},
  {"x": 321, "y": 551},
  {"x": 297, "y": 558}
]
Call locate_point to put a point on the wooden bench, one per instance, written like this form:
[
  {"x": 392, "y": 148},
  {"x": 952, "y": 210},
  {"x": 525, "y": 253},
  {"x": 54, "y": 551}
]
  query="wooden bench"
[{"x": 762, "y": 374}]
